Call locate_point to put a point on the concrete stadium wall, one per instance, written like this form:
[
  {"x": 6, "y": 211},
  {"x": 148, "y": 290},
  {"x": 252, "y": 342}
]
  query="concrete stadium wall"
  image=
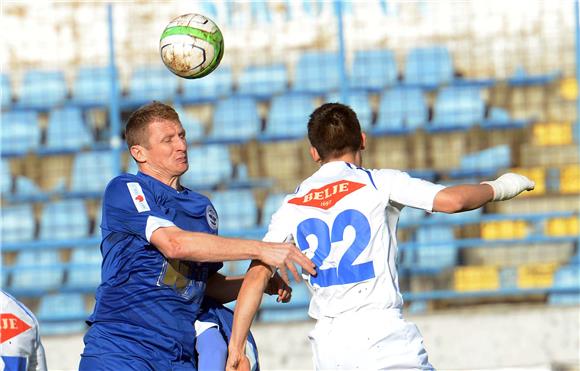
[{"x": 476, "y": 338}]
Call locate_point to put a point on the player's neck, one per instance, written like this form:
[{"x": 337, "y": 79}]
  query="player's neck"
[
  {"x": 354, "y": 158},
  {"x": 172, "y": 181}
]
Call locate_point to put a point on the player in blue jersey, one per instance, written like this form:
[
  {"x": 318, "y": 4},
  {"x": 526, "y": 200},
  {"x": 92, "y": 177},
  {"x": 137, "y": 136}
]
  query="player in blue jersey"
[
  {"x": 344, "y": 217},
  {"x": 161, "y": 254}
]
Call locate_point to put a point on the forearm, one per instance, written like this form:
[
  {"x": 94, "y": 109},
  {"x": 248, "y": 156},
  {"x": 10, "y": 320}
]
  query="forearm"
[
  {"x": 223, "y": 288},
  {"x": 249, "y": 300},
  {"x": 462, "y": 197}
]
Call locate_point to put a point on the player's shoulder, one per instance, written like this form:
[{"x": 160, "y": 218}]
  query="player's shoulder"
[{"x": 121, "y": 181}]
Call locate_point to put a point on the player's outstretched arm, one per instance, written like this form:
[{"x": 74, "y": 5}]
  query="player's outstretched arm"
[
  {"x": 249, "y": 299},
  {"x": 175, "y": 243},
  {"x": 472, "y": 196}
]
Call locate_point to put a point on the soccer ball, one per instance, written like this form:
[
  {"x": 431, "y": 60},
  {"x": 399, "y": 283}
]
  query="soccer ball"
[{"x": 191, "y": 46}]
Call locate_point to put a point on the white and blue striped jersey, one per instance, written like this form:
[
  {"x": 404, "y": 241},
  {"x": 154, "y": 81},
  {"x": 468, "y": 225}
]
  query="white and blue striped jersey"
[
  {"x": 20, "y": 346},
  {"x": 345, "y": 219}
]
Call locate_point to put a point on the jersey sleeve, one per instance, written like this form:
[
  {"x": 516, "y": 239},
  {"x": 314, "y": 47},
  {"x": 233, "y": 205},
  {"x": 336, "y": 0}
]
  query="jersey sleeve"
[
  {"x": 129, "y": 206},
  {"x": 278, "y": 229},
  {"x": 408, "y": 191}
]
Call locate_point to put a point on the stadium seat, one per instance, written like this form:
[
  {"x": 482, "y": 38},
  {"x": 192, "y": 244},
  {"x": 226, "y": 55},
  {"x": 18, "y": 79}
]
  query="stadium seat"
[
  {"x": 65, "y": 219},
  {"x": 373, "y": 70},
  {"x": 359, "y": 102},
  {"x": 35, "y": 271},
  {"x": 5, "y": 177},
  {"x": 92, "y": 86},
  {"x": 42, "y": 89},
  {"x": 437, "y": 248},
  {"x": 6, "y": 90},
  {"x": 260, "y": 12},
  {"x": 271, "y": 205},
  {"x": 317, "y": 73},
  {"x": 296, "y": 310},
  {"x": 237, "y": 210},
  {"x": 428, "y": 67},
  {"x": 400, "y": 111},
  {"x": 152, "y": 83},
  {"x": 235, "y": 119},
  {"x": 20, "y": 132},
  {"x": 499, "y": 118},
  {"x": 67, "y": 130},
  {"x": 62, "y": 313},
  {"x": 84, "y": 271},
  {"x": 92, "y": 171},
  {"x": 216, "y": 85},
  {"x": 209, "y": 165},
  {"x": 458, "y": 108},
  {"x": 487, "y": 162},
  {"x": 18, "y": 223},
  {"x": 288, "y": 117},
  {"x": 26, "y": 189},
  {"x": 194, "y": 130},
  {"x": 411, "y": 216},
  {"x": 263, "y": 81}
]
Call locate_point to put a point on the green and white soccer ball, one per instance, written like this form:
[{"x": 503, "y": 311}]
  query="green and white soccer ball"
[{"x": 191, "y": 46}]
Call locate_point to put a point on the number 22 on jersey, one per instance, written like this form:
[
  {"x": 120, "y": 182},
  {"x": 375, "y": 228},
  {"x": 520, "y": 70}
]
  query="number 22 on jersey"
[{"x": 346, "y": 272}]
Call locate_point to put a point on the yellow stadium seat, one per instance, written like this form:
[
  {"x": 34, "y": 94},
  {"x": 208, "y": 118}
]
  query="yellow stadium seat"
[
  {"x": 552, "y": 134},
  {"x": 536, "y": 275},
  {"x": 504, "y": 229},
  {"x": 563, "y": 227},
  {"x": 570, "y": 179},
  {"x": 569, "y": 88},
  {"x": 476, "y": 278},
  {"x": 538, "y": 175}
]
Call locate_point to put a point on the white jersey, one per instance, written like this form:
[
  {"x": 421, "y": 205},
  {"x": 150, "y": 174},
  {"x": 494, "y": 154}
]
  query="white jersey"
[
  {"x": 345, "y": 219},
  {"x": 20, "y": 346}
]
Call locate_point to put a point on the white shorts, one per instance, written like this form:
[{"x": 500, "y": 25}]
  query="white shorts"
[{"x": 368, "y": 340}]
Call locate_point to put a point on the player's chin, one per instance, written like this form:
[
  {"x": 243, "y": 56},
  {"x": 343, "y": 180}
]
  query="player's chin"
[{"x": 183, "y": 166}]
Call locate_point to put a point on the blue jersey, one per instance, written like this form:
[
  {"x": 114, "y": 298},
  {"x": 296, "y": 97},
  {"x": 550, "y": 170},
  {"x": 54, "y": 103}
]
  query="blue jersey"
[{"x": 146, "y": 304}]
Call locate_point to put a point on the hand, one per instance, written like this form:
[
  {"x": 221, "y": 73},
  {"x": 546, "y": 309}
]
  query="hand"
[
  {"x": 276, "y": 285},
  {"x": 237, "y": 361},
  {"x": 509, "y": 186},
  {"x": 283, "y": 256}
]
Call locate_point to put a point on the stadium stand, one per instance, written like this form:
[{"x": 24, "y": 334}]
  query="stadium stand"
[
  {"x": 84, "y": 269},
  {"x": 20, "y": 132},
  {"x": 151, "y": 83},
  {"x": 373, "y": 70},
  {"x": 401, "y": 111},
  {"x": 91, "y": 172},
  {"x": 6, "y": 89},
  {"x": 18, "y": 223},
  {"x": 235, "y": 120},
  {"x": 359, "y": 102},
  {"x": 92, "y": 86},
  {"x": 42, "y": 90},
  {"x": 62, "y": 313},
  {"x": 457, "y": 108},
  {"x": 263, "y": 82},
  {"x": 317, "y": 73},
  {"x": 67, "y": 130},
  {"x": 37, "y": 272},
  {"x": 218, "y": 84},
  {"x": 287, "y": 116},
  {"x": 428, "y": 67},
  {"x": 237, "y": 210},
  {"x": 200, "y": 176},
  {"x": 64, "y": 220}
]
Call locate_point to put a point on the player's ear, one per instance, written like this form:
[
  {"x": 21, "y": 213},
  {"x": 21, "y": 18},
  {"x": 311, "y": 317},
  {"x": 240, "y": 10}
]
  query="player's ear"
[
  {"x": 314, "y": 154},
  {"x": 363, "y": 142},
  {"x": 138, "y": 152}
]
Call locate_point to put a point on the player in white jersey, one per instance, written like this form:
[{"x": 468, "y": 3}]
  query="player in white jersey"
[
  {"x": 344, "y": 218},
  {"x": 20, "y": 346}
]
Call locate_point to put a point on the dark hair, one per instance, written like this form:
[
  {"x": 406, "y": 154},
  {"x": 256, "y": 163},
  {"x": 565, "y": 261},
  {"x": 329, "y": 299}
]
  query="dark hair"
[
  {"x": 334, "y": 129},
  {"x": 136, "y": 130}
]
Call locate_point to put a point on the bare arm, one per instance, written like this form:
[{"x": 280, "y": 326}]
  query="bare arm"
[
  {"x": 472, "y": 196},
  {"x": 249, "y": 299},
  {"x": 223, "y": 288},
  {"x": 175, "y": 243}
]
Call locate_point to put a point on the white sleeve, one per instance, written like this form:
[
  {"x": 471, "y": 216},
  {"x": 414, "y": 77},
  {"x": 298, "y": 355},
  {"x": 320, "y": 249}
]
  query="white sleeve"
[
  {"x": 279, "y": 227},
  {"x": 37, "y": 359},
  {"x": 408, "y": 191}
]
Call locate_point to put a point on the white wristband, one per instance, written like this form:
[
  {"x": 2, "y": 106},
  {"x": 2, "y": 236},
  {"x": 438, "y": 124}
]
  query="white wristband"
[{"x": 509, "y": 186}]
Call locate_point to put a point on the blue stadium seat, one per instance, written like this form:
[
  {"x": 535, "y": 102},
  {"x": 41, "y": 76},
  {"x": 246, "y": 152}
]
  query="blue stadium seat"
[
  {"x": 428, "y": 67},
  {"x": 400, "y": 111},
  {"x": 216, "y": 85},
  {"x": 263, "y": 81},
  {"x": 209, "y": 165},
  {"x": 5, "y": 177},
  {"x": 92, "y": 86},
  {"x": 92, "y": 171},
  {"x": 359, "y": 102},
  {"x": 373, "y": 70},
  {"x": 271, "y": 205},
  {"x": 471, "y": 216},
  {"x": 193, "y": 126},
  {"x": 67, "y": 130},
  {"x": 42, "y": 89},
  {"x": 260, "y": 12},
  {"x": 18, "y": 223},
  {"x": 437, "y": 249},
  {"x": 288, "y": 117},
  {"x": 235, "y": 119},
  {"x": 411, "y": 216},
  {"x": 6, "y": 90},
  {"x": 20, "y": 132},
  {"x": 84, "y": 271},
  {"x": 62, "y": 313},
  {"x": 152, "y": 83},
  {"x": 487, "y": 161},
  {"x": 499, "y": 118},
  {"x": 35, "y": 271},
  {"x": 65, "y": 219},
  {"x": 458, "y": 108},
  {"x": 27, "y": 189},
  {"x": 237, "y": 268},
  {"x": 566, "y": 277},
  {"x": 317, "y": 73},
  {"x": 237, "y": 210},
  {"x": 296, "y": 310}
]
